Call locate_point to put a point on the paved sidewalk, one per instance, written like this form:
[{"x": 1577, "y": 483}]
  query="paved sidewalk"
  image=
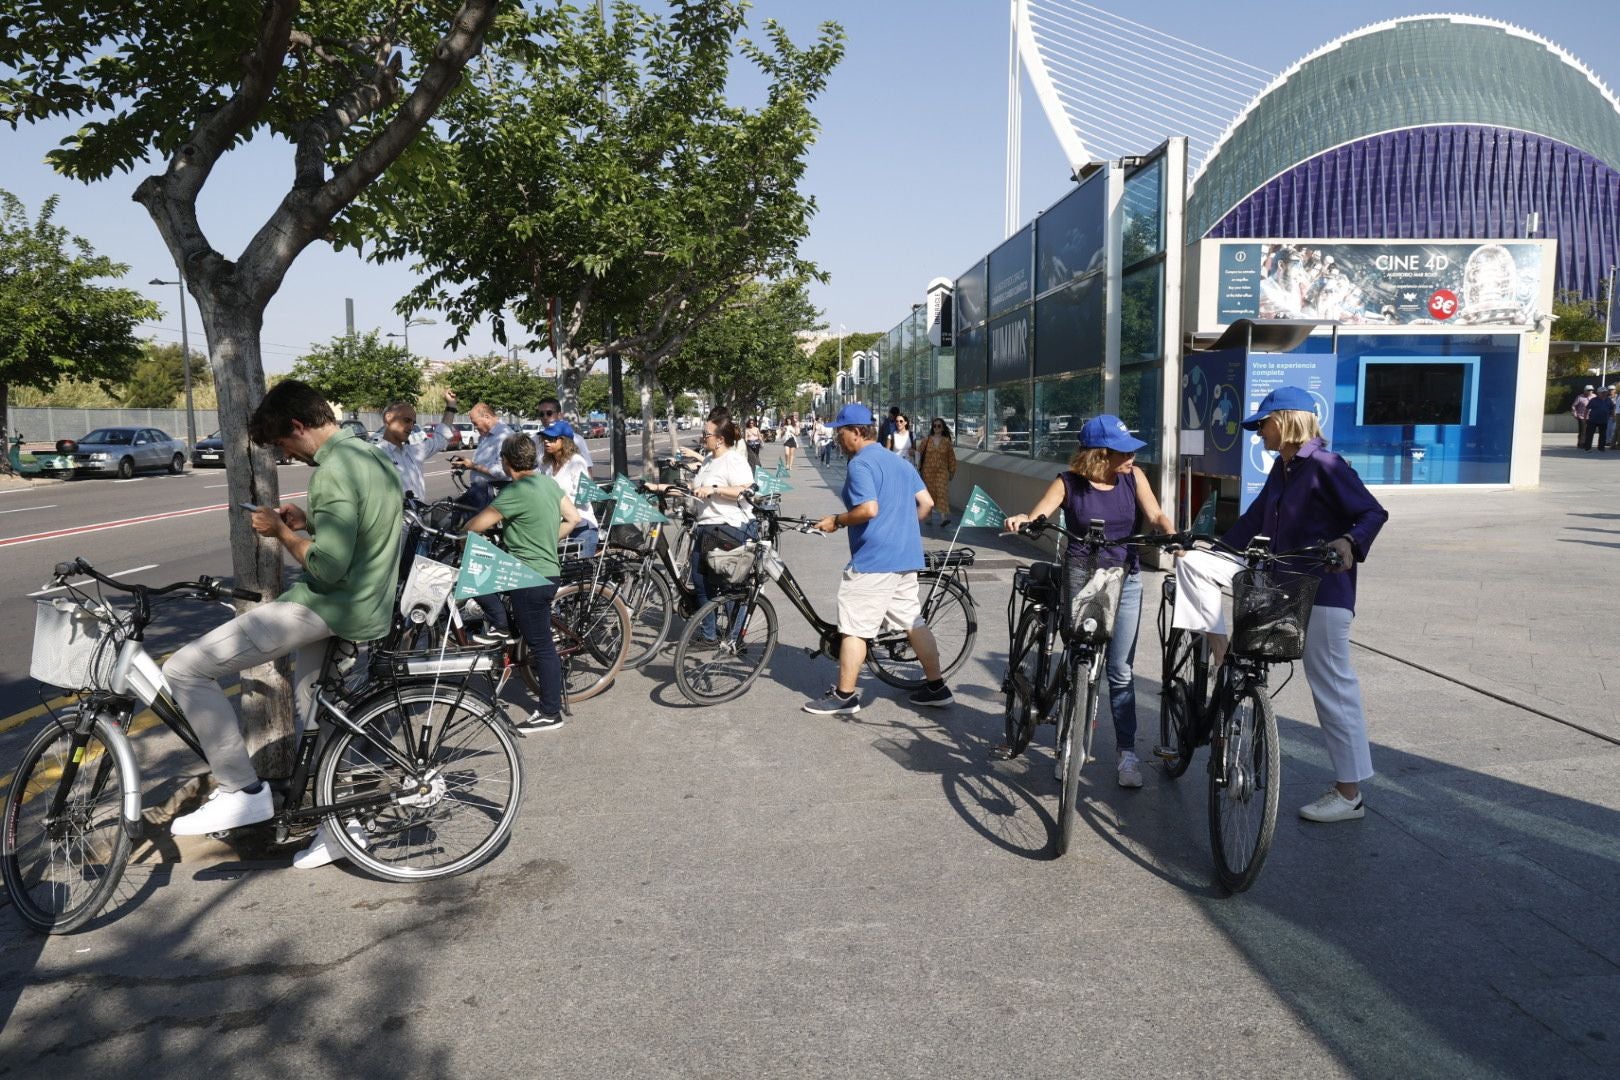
[{"x": 747, "y": 891}]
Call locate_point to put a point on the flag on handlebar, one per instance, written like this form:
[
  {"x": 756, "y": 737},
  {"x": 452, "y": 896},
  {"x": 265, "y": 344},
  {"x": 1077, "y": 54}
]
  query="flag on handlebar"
[
  {"x": 782, "y": 470},
  {"x": 588, "y": 491},
  {"x": 487, "y": 569},
  {"x": 770, "y": 483},
  {"x": 981, "y": 511},
  {"x": 630, "y": 507}
]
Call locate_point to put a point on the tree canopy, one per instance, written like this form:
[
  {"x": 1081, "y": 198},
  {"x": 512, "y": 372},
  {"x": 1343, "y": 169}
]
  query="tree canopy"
[
  {"x": 361, "y": 371},
  {"x": 824, "y": 358},
  {"x": 597, "y": 185},
  {"x": 502, "y": 384},
  {"x": 57, "y": 322},
  {"x": 748, "y": 357},
  {"x": 159, "y": 378}
]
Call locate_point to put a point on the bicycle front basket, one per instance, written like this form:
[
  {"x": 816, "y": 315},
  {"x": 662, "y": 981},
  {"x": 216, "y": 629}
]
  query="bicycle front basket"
[
  {"x": 731, "y": 567},
  {"x": 630, "y": 538},
  {"x": 1093, "y": 601},
  {"x": 72, "y": 648},
  {"x": 1270, "y": 611}
]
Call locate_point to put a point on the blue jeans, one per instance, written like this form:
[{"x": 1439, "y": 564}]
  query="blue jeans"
[
  {"x": 588, "y": 536},
  {"x": 531, "y": 608},
  {"x": 1121, "y": 655},
  {"x": 701, "y": 585}
]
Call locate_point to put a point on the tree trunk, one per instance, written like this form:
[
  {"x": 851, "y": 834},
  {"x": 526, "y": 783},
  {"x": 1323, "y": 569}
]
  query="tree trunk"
[
  {"x": 233, "y": 329},
  {"x": 669, "y": 418},
  {"x": 571, "y": 372},
  {"x": 647, "y": 451}
]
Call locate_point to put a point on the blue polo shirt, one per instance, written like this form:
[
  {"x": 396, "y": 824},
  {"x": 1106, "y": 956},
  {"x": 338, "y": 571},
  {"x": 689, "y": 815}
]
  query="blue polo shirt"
[{"x": 890, "y": 543}]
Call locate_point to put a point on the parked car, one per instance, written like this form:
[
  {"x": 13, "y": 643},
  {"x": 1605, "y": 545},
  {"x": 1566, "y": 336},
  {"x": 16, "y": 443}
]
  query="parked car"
[
  {"x": 355, "y": 426},
  {"x": 469, "y": 434},
  {"x": 599, "y": 429},
  {"x": 123, "y": 451},
  {"x": 210, "y": 454}
]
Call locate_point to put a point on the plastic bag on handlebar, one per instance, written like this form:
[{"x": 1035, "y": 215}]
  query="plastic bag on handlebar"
[{"x": 1093, "y": 601}]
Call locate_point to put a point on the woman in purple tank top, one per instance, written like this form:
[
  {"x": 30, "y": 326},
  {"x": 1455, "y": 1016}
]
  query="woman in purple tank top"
[{"x": 1102, "y": 482}]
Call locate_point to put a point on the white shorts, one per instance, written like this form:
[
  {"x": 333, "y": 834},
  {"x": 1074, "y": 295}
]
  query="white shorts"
[{"x": 867, "y": 601}]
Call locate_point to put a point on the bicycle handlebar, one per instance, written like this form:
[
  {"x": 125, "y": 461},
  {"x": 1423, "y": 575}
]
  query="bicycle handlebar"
[
  {"x": 1259, "y": 547},
  {"x": 215, "y": 589}
]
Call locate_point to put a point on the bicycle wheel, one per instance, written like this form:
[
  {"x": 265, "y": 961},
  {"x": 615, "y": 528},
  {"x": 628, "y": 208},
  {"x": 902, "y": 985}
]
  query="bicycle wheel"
[
  {"x": 592, "y": 629},
  {"x": 651, "y": 602},
  {"x": 1176, "y": 737},
  {"x": 447, "y": 817},
  {"x": 1243, "y": 802},
  {"x": 1075, "y": 728},
  {"x": 60, "y": 871},
  {"x": 1022, "y": 683},
  {"x": 709, "y": 672},
  {"x": 949, "y": 613}
]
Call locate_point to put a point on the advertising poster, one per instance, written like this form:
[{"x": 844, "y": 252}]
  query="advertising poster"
[
  {"x": 1010, "y": 279},
  {"x": 1378, "y": 284},
  {"x": 1070, "y": 236},
  {"x": 1212, "y": 401},
  {"x": 1009, "y": 348},
  {"x": 1314, "y": 372},
  {"x": 970, "y": 298}
]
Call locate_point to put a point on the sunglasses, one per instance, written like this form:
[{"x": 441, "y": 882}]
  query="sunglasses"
[{"x": 548, "y": 412}]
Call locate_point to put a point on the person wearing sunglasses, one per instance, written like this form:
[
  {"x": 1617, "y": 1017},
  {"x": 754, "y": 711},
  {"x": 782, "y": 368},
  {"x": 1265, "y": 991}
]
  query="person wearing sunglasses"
[
  {"x": 550, "y": 412},
  {"x": 936, "y": 460}
]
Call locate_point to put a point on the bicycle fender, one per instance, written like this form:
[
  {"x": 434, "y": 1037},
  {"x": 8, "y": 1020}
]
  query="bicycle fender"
[{"x": 117, "y": 742}]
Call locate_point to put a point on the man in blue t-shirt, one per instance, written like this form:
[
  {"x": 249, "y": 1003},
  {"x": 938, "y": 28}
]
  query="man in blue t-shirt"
[{"x": 887, "y": 503}]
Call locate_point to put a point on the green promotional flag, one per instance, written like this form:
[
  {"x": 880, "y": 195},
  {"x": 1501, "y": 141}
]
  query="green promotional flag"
[
  {"x": 487, "y": 569},
  {"x": 623, "y": 486},
  {"x": 981, "y": 511},
  {"x": 782, "y": 470},
  {"x": 631, "y": 508},
  {"x": 587, "y": 492},
  {"x": 769, "y": 484},
  {"x": 1204, "y": 521}
]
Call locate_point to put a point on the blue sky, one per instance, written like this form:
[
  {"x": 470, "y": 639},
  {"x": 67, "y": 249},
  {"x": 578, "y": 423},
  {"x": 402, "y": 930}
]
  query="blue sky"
[{"x": 907, "y": 172}]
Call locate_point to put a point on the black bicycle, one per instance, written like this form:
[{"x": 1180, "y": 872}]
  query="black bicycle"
[
  {"x": 1232, "y": 713},
  {"x": 420, "y": 761},
  {"x": 712, "y": 670},
  {"x": 652, "y": 578},
  {"x": 1060, "y": 618}
]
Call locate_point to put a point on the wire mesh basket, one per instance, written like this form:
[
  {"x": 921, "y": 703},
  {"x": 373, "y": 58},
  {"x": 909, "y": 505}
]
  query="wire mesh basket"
[
  {"x": 73, "y": 648},
  {"x": 1093, "y": 601},
  {"x": 1270, "y": 612},
  {"x": 632, "y": 538}
]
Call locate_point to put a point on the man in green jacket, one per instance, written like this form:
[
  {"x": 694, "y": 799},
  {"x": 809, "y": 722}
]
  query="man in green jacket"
[{"x": 348, "y": 545}]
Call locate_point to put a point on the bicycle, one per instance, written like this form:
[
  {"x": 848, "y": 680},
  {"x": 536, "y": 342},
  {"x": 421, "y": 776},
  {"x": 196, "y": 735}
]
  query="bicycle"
[
  {"x": 1047, "y": 607},
  {"x": 429, "y": 771},
  {"x": 1234, "y": 717},
  {"x": 653, "y": 581},
  {"x": 590, "y": 622},
  {"x": 712, "y": 671}
]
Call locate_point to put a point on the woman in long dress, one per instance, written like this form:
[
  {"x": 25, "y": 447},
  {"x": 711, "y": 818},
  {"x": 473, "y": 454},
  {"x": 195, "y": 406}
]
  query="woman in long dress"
[{"x": 936, "y": 460}]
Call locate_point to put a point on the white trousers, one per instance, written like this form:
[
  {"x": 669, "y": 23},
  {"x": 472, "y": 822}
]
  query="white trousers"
[{"x": 1335, "y": 690}]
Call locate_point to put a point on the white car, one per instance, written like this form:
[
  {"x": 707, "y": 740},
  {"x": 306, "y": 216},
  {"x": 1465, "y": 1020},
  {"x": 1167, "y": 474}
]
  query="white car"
[{"x": 469, "y": 434}]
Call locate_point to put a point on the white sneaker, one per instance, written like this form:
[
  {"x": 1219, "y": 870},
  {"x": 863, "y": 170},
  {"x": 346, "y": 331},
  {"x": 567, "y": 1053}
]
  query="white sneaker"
[
  {"x": 325, "y": 849},
  {"x": 226, "y": 810},
  {"x": 1130, "y": 770},
  {"x": 1333, "y": 807}
]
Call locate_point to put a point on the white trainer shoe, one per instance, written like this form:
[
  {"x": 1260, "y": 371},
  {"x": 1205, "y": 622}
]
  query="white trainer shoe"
[
  {"x": 1130, "y": 770},
  {"x": 226, "y": 810},
  {"x": 325, "y": 849},
  {"x": 1333, "y": 807}
]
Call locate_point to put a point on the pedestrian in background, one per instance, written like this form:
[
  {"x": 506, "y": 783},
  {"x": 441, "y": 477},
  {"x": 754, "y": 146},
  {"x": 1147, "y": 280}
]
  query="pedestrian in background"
[
  {"x": 566, "y": 465},
  {"x": 754, "y": 439},
  {"x": 821, "y": 435},
  {"x": 1599, "y": 413},
  {"x": 900, "y": 441},
  {"x": 936, "y": 460},
  {"x": 1578, "y": 410},
  {"x": 887, "y": 502}
]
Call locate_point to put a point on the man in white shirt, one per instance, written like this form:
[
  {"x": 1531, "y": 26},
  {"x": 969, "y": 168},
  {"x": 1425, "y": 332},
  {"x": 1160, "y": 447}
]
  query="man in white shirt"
[
  {"x": 398, "y": 421},
  {"x": 486, "y": 460},
  {"x": 550, "y": 413}
]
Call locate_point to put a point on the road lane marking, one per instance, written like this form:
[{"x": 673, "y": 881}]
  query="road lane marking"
[
  {"x": 30, "y": 538},
  {"x": 205, "y": 486},
  {"x": 86, "y": 581},
  {"x": 25, "y": 509}
]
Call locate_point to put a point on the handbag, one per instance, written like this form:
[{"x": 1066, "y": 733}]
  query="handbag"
[{"x": 730, "y": 565}]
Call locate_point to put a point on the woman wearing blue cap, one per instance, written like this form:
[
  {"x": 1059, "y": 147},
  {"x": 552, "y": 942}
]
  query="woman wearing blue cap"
[
  {"x": 563, "y": 463},
  {"x": 1102, "y": 482},
  {"x": 1311, "y": 496}
]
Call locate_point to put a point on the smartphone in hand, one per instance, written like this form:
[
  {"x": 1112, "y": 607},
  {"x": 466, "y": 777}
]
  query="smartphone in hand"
[{"x": 249, "y": 507}]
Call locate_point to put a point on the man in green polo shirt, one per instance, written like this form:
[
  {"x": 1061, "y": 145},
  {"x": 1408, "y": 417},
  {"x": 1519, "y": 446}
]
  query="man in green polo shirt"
[{"x": 348, "y": 545}]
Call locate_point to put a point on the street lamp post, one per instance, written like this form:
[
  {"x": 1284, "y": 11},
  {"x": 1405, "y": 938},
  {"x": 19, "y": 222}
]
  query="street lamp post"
[
  {"x": 185, "y": 360},
  {"x": 405, "y": 337}
]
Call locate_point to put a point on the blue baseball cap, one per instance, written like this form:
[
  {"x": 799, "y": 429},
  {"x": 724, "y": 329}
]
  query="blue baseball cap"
[
  {"x": 852, "y": 414},
  {"x": 558, "y": 429},
  {"x": 1108, "y": 432},
  {"x": 1282, "y": 399}
]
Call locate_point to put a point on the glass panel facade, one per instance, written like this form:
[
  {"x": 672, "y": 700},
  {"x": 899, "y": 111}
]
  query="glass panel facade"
[
  {"x": 1141, "y": 329},
  {"x": 1009, "y": 347},
  {"x": 1009, "y": 419},
  {"x": 1061, "y": 406},
  {"x": 1010, "y": 283},
  {"x": 972, "y": 357},
  {"x": 1140, "y": 401},
  {"x": 970, "y": 418},
  {"x": 1070, "y": 330},
  {"x": 1070, "y": 236},
  {"x": 1144, "y": 214}
]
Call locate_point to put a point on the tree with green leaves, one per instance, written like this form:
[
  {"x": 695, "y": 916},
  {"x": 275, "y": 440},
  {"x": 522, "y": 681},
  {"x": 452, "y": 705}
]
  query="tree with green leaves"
[
  {"x": 501, "y": 383},
  {"x": 601, "y": 188},
  {"x": 349, "y": 86},
  {"x": 748, "y": 357},
  {"x": 361, "y": 371},
  {"x": 159, "y": 377},
  {"x": 825, "y": 357},
  {"x": 56, "y": 321}
]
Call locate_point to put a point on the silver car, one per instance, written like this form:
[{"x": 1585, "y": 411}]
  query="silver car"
[{"x": 123, "y": 451}]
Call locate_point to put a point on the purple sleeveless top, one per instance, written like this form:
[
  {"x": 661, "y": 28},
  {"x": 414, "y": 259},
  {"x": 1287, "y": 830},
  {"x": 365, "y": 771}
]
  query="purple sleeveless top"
[{"x": 1117, "y": 509}]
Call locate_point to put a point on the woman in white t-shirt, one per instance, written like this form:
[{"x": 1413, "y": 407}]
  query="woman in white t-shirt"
[
  {"x": 561, "y": 461},
  {"x": 723, "y": 520},
  {"x": 900, "y": 438}
]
